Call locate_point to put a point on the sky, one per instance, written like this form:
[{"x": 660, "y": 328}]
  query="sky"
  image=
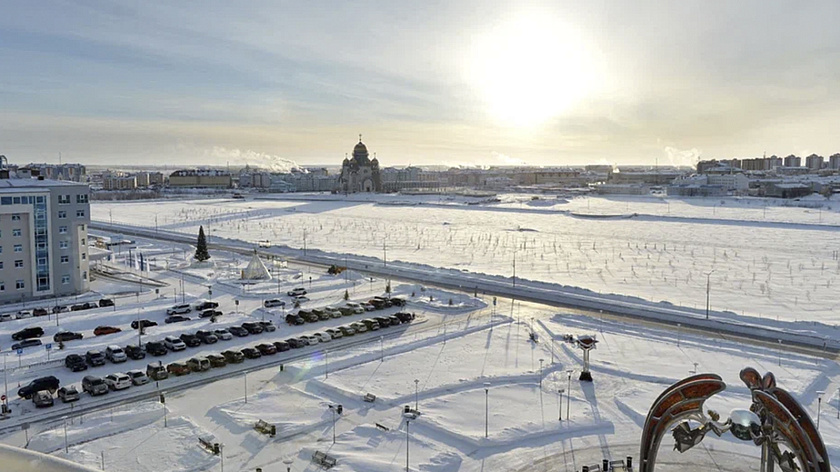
[{"x": 436, "y": 82}]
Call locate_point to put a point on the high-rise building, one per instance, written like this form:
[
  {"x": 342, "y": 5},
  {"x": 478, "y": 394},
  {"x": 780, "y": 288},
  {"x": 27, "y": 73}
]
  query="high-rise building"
[
  {"x": 814, "y": 162},
  {"x": 43, "y": 239}
]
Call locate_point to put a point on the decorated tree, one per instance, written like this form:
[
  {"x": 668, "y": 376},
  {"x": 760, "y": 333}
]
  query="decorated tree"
[{"x": 201, "y": 253}]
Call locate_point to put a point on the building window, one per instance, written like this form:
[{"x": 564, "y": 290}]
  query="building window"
[
  {"x": 65, "y": 279},
  {"x": 2, "y": 286},
  {"x": 81, "y": 198},
  {"x": 65, "y": 259},
  {"x": 63, "y": 244},
  {"x": 62, "y": 214},
  {"x": 82, "y": 227},
  {"x": 1, "y": 265},
  {"x": 64, "y": 199},
  {"x": 1, "y": 249},
  {"x": 20, "y": 285},
  {"x": 15, "y": 216},
  {"x": 42, "y": 261},
  {"x": 17, "y": 232},
  {"x": 19, "y": 263},
  {"x": 62, "y": 230},
  {"x": 18, "y": 248},
  {"x": 84, "y": 256},
  {"x": 84, "y": 275},
  {"x": 80, "y": 213},
  {"x": 83, "y": 241}
]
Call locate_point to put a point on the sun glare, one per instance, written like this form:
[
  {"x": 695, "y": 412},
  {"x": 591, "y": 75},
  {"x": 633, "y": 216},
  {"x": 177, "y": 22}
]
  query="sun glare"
[{"x": 531, "y": 69}]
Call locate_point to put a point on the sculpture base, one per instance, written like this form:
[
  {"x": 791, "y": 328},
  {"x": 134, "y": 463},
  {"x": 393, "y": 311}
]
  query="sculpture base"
[{"x": 585, "y": 377}]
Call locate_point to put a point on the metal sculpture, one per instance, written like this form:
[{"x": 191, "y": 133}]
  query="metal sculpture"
[
  {"x": 775, "y": 421},
  {"x": 586, "y": 343}
]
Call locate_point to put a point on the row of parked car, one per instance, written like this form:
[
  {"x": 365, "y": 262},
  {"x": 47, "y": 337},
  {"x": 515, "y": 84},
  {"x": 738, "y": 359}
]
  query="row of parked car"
[
  {"x": 23, "y": 314},
  {"x": 28, "y": 337},
  {"x": 350, "y": 308}
]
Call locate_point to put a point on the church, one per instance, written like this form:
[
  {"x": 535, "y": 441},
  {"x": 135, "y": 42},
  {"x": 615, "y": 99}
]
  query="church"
[{"x": 360, "y": 173}]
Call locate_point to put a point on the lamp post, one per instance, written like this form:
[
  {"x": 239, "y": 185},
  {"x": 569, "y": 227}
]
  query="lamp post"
[
  {"x": 820, "y": 394},
  {"x": 569, "y": 394},
  {"x": 708, "y": 291},
  {"x": 838, "y": 402},
  {"x": 780, "y": 353},
  {"x": 416, "y": 398},
  {"x": 326, "y": 364},
  {"x": 486, "y": 408},
  {"x": 381, "y": 349},
  {"x": 560, "y": 409},
  {"x": 407, "y": 422},
  {"x": 333, "y": 408},
  {"x": 245, "y": 376},
  {"x": 541, "y": 367}
]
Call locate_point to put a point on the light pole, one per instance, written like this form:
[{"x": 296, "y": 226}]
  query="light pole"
[
  {"x": 708, "y": 291},
  {"x": 245, "y": 376},
  {"x": 381, "y": 349},
  {"x": 486, "y": 408},
  {"x": 416, "y": 398},
  {"x": 820, "y": 394},
  {"x": 569, "y": 394},
  {"x": 780, "y": 353},
  {"x": 333, "y": 408},
  {"x": 407, "y": 422},
  {"x": 838, "y": 402},
  {"x": 541, "y": 367},
  {"x": 326, "y": 364},
  {"x": 560, "y": 409}
]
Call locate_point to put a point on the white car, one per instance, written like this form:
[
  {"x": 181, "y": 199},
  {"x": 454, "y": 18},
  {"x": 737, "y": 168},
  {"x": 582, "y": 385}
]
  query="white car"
[
  {"x": 313, "y": 339},
  {"x": 223, "y": 334},
  {"x": 272, "y": 303},
  {"x": 352, "y": 304},
  {"x": 332, "y": 312},
  {"x": 359, "y": 327},
  {"x": 22, "y": 314},
  {"x": 115, "y": 354},
  {"x": 117, "y": 381},
  {"x": 178, "y": 310},
  {"x": 334, "y": 333},
  {"x": 368, "y": 307},
  {"x": 324, "y": 338},
  {"x": 174, "y": 344},
  {"x": 138, "y": 377},
  {"x": 7, "y": 317},
  {"x": 301, "y": 299}
]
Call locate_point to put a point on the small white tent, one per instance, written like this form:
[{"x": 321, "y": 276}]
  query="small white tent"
[{"x": 256, "y": 270}]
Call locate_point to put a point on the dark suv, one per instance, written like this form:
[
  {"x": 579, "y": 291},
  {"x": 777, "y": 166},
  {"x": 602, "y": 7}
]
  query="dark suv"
[
  {"x": 206, "y": 337},
  {"x": 67, "y": 336},
  {"x": 136, "y": 324},
  {"x": 253, "y": 328},
  {"x": 44, "y": 383},
  {"x": 156, "y": 348},
  {"x": 233, "y": 357},
  {"x": 75, "y": 362},
  {"x": 294, "y": 319},
  {"x": 27, "y": 333},
  {"x": 106, "y": 302},
  {"x": 95, "y": 358},
  {"x": 190, "y": 340},
  {"x": 405, "y": 317},
  {"x": 134, "y": 352},
  {"x": 206, "y": 306}
]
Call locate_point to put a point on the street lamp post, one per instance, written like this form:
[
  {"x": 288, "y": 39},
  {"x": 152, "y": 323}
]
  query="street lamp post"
[
  {"x": 333, "y": 408},
  {"x": 560, "y": 409},
  {"x": 838, "y": 402},
  {"x": 708, "y": 291},
  {"x": 780, "y": 353},
  {"x": 407, "y": 422},
  {"x": 820, "y": 394},
  {"x": 326, "y": 364},
  {"x": 569, "y": 395},
  {"x": 541, "y": 367},
  {"x": 486, "y": 409},
  {"x": 381, "y": 349},
  {"x": 416, "y": 393}
]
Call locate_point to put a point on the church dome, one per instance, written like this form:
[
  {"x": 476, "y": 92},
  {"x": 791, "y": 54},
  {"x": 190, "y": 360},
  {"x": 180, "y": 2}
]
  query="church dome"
[
  {"x": 360, "y": 154},
  {"x": 360, "y": 148}
]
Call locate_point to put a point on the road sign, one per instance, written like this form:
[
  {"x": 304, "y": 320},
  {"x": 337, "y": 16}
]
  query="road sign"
[
  {"x": 2, "y": 398},
  {"x": 24, "y": 426},
  {"x": 19, "y": 351},
  {"x": 48, "y": 346}
]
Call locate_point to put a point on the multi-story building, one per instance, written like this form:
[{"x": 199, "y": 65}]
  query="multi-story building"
[
  {"x": 793, "y": 161},
  {"x": 200, "y": 178},
  {"x": 72, "y": 172},
  {"x": 124, "y": 182},
  {"x": 43, "y": 239},
  {"x": 814, "y": 162},
  {"x": 834, "y": 161}
]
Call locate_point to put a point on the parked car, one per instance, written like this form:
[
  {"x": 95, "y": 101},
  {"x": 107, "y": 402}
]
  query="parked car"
[
  {"x": 395, "y": 320},
  {"x": 49, "y": 383},
  {"x": 293, "y": 343},
  {"x": 60, "y": 309},
  {"x": 322, "y": 315},
  {"x": 103, "y": 330},
  {"x": 115, "y": 354},
  {"x": 296, "y": 292},
  {"x": 377, "y": 304},
  {"x": 273, "y": 303},
  {"x": 26, "y": 343},
  {"x": 106, "y": 302},
  {"x": 253, "y": 328},
  {"x": 198, "y": 364},
  {"x": 233, "y": 357},
  {"x": 206, "y": 337},
  {"x": 95, "y": 358},
  {"x": 117, "y": 381},
  {"x": 383, "y": 321},
  {"x": 7, "y": 317},
  {"x": 359, "y": 327},
  {"x": 42, "y": 399},
  {"x": 347, "y": 311},
  {"x": 323, "y": 338},
  {"x": 178, "y": 310},
  {"x": 138, "y": 377},
  {"x": 303, "y": 341},
  {"x": 397, "y": 301},
  {"x": 210, "y": 313},
  {"x": 251, "y": 353},
  {"x": 178, "y": 368},
  {"x": 300, "y": 299},
  {"x": 266, "y": 349},
  {"x": 313, "y": 340},
  {"x": 156, "y": 371},
  {"x": 217, "y": 360},
  {"x": 27, "y": 333},
  {"x": 267, "y": 326},
  {"x": 63, "y": 336},
  {"x": 238, "y": 331},
  {"x": 405, "y": 317},
  {"x": 68, "y": 394},
  {"x": 24, "y": 314},
  {"x": 94, "y": 385},
  {"x": 40, "y": 312},
  {"x": 136, "y": 324},
  {"x": 223, "y": 334},
  {"x": 156, "y": 348},
  {"x": 368, "y": 307},
  {"x": 371, "y": 324},
  {"x": 75, "y": 363},
  {"x": 174, "y": 344},
  {"x": 203, "y": 305},
  {"x": 347, "y": 330},
  {"x": 176, "y": 319},
  {"x": 190, "y": 340},
  {"x": 83, "y": 306},
  {"x": 134, "y": 352},
  {"x": 309, "y": 316},
  {"x": 333, "y": 312},
  {"x": 294, "y": 319},
  {"x": 282, "y": 346},
  {"x": 334, "y": 333},
  {"x": 352, "y": 305}
]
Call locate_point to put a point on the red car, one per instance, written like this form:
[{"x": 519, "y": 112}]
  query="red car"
[{"x": 102, "y": 330}]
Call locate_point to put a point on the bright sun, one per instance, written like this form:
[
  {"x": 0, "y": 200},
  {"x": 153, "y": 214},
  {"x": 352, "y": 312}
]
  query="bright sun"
[{"x": 531, "y": 70}]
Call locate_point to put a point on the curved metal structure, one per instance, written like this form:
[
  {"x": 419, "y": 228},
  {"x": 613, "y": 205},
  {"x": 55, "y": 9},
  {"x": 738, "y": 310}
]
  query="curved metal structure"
[
  {"x": 15, "y": 459},
  {"x": 775, "y": 421}
]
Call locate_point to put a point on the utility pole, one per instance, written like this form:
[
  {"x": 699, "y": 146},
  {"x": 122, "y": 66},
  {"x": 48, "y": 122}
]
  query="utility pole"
[{"x": 708, "y": 291}]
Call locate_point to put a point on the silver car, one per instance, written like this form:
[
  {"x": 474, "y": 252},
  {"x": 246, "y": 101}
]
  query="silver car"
[{"x": 138, "y": 377}]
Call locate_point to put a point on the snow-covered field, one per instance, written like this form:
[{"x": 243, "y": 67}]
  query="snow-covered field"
[{"x": 759, "y": 259}]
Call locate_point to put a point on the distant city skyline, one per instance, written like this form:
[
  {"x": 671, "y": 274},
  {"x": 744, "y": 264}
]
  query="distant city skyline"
[{"x": 448, "y": 83}]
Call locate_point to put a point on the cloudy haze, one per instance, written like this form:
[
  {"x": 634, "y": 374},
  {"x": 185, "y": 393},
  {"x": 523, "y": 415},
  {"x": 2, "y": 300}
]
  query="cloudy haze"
[{"x": 453, "y": 82}]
